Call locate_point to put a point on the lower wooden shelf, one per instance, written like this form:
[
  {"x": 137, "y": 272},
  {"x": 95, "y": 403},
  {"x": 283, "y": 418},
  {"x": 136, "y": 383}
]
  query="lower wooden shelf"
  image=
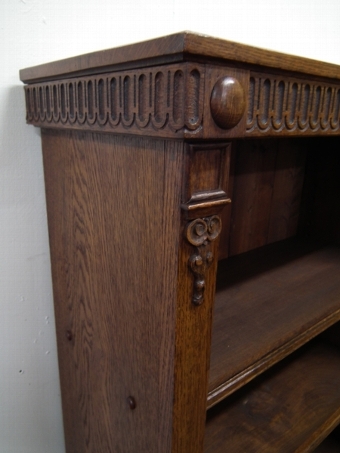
[
  {"x": 269, "y": 302},
  {"x": 289, "y": 409}
]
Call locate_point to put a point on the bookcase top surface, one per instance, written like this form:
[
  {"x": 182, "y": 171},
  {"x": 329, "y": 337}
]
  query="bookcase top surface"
[{"x": 179, "y": 47}]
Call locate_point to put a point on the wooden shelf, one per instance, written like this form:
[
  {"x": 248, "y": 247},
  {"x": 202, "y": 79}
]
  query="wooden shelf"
[
  {"x": 291, "y": 408},
  {"x": 269, "y": 302}
]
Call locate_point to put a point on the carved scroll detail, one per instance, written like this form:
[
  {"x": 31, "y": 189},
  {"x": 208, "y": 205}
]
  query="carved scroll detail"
[
  {"x": 200, "y": 233},
  {"x": 160, "y": 99},
  {"x": 279, "y": 104}
]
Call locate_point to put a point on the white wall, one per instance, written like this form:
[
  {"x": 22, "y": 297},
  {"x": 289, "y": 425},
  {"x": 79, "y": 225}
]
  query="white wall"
[{"x": 37, "y": 31}]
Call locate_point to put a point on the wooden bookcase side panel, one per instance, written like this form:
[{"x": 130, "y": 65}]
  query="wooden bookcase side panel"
[{"x": 114, "y": 218}]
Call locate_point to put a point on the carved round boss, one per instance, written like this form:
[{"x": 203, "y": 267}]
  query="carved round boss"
[{"x": 227, "y": 102}]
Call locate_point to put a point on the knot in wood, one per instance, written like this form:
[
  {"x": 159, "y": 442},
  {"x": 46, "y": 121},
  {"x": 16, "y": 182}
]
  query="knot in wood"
[{"x": 131, "y": 402}]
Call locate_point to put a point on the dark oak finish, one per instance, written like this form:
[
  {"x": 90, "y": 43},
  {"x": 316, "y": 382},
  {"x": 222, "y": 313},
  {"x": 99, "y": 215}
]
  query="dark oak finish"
[
  {"x": 284, "y": 105},
  {"x": 177, "y": 47},
  {"x": 158, "y": 92},
  {"x": 161, "y": 158},
  {"x": 227, "y": 102},
  {"x": 268, "y": 177},
  {"x": 196, "y": 290},
  {"x": 260, "y": 309},
  {"x": 114, "y": 341},
  {"x": 289, "y": 410},
  {"x": 159, "y": 101}
]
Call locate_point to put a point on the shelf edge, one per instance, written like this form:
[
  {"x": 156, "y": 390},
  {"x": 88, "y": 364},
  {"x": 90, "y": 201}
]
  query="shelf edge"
[{"x": 218, "y": 394}]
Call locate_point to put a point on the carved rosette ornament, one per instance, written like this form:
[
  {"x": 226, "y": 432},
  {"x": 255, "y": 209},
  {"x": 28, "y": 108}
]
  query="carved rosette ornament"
[{"x": 200, "y": 233}]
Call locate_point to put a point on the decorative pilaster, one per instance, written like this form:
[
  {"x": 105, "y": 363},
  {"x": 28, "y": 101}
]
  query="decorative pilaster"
[{"x": 204, "y": 194}]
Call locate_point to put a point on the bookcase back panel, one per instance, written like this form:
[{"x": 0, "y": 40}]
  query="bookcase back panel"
[{"x": 267, "y": 179}]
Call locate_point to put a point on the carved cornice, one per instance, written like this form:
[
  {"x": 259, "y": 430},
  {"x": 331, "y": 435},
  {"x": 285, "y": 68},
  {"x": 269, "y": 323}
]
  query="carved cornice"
[
  {"x": 278, "y": 104},
  {"x": 200, "y": 233},
  {"x": 187, "y": 100},
  {"x": 162, "y": 101}
]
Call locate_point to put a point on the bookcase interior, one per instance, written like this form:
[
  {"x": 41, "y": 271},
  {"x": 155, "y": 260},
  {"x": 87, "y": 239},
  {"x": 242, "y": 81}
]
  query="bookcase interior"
[{"x": 278, "y": 289}]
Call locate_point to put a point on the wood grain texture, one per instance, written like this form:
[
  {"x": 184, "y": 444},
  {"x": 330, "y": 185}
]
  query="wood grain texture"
[
  {"x": 163, "y": 101},
  {"x": 217, "y": 101},
  {"x": 287, "y": 106},
  {"x": 114, "y": 248},
  {"x": 134, "y": 293},
  {"x": 175, "y": 48},
  {"x": 242, "y": 95},
  {"x": 226, "y": 213},
  {"x": 168, "y": 49},
  {"x": 267, "y": 179},
  {"x": 193, "y": 337},
  {"x": 205, "y": 186},
  {"x": 227, "y": 102},
  {"x": 268, "y": 303},
  {"x": 193, "y": 322},
  {"x": 287, "y": 190},
  {"x": 227, "y": 51},
  {"x": 252, "y": 195},
  {"x": 291, "y": 409}
]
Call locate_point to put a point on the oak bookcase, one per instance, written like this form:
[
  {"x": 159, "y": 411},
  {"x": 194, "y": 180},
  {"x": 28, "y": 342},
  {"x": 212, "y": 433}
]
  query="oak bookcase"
[{"x": 192, "y": 190}]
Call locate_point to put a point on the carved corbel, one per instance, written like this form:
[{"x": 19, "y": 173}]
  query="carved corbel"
[{"x": 201, "y": 233}]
